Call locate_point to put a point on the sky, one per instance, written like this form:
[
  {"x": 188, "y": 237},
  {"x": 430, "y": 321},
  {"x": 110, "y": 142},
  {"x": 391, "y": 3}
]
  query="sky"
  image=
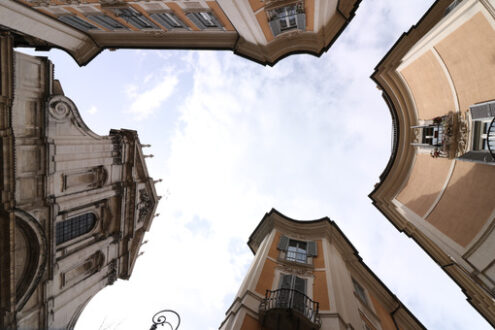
[{"x": 233, "y": 139}]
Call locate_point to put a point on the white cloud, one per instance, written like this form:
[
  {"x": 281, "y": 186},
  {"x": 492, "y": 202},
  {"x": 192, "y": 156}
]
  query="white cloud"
[
  {"x": 309, "y": 137},
  {"x": 93, "y": 110},
  {"x": 144, "y": 103}
]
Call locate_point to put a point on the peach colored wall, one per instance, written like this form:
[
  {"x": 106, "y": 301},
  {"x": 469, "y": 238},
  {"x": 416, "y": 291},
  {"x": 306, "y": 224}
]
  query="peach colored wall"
[
  {"x": 250, "y": 323},
  {"x": 267, "y": 275},
  {"x": 178, "y": 11},
  {"x": 467, "y": 202},
  {"x": 384, "y": 316},
  {"x": 145, "y": 13},
  {"x": 320, "y": 290},
  {"x": 368, "y": 323},
  {"x": 273, "y": 249},
  {"x": 309, "y": 8},
  {"x": 256, "y": 4},
  {"x": 427, "y": 178},
  {"x": 319, "y": 261},
  {"x": 221, "y": 15},
  {"x": 429, "y": 86},
  {"x": 265, "y": 27},
  {"x": 469, "y": 54}
]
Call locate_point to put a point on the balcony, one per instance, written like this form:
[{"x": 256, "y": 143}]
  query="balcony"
[
  {"x": 289, "y": 309},
  {"x": 490, "y": 136}
]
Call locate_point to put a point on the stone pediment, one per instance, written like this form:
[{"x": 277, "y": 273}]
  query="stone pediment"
[
  {"x": 64, "y": 119},
  {"x": 140, "y": 195}
]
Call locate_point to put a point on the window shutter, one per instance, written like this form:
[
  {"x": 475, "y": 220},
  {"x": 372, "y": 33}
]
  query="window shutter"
[
  {"x": 300, "y": 285},
  {"x": 312, "y": 250},
  {"x": 285, "y": 281},
  {"x": 195, "y": 20},
  {"x": 301, "y": 21},
  {"x": 275, "y": 26},
  {"x": 485, "y": 110},
  {"x": 158, "y": 17},
  {"x": 283, "y": 244},
  {"x": 215, "y": 20},
  {"x": 477, "y": 156}
]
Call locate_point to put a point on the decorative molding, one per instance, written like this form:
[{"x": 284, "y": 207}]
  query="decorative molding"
[
  {"x": 145, "y": 205},
  {"x": 39, "y": 245}
]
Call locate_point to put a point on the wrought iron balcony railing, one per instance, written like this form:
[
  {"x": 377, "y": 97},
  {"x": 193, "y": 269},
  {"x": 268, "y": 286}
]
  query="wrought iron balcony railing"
[
  {"x": 294, "y": 302},
  {"x": 490, "y": 136}
]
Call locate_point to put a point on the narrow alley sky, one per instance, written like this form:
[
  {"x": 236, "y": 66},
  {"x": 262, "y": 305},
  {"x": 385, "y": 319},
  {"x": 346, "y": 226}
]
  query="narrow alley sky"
[{"x": 231, "y": 140}]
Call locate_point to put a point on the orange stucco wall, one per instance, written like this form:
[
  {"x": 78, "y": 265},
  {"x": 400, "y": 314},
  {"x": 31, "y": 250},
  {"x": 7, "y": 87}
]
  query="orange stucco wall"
[
  {"x": 256, "y": 4},
  {"x": 384, "y": 316},
  {"x": 429, "y": 86},
  {"x": 309, "y": 8},
  {"x": 427, "y": 178},
  {"x": 319, "y": 260},
  {"x": 320, "y": 290},
  {"x": 265, "y": 281},
  {"x": 265, "y": 27},
  {"x": 221, "y": 15},
  {"x": 273, "y": 249},
  {"x": 467, "y": 202},
  {"x": 469, "y": 54},
  {"x": 178, "y": 11},
  {"x": 250, "y": 323}
]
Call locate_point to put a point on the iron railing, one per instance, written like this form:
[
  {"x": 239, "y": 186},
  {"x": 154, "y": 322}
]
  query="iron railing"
[
  {"x": 293, "y": 300},
  {"x": 490, "y": 137}
]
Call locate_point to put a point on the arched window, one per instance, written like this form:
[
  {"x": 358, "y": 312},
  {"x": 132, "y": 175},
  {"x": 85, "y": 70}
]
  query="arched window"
[{"x": 74, "y": 227}]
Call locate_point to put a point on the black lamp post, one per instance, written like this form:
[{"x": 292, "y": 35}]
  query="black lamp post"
[{"x": 160, "y": 318}]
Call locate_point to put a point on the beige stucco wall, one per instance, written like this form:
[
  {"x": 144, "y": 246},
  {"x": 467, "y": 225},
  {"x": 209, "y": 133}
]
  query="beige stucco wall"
[
  {"x": 429, "y": 86},
  {"x": 467, "y": 202},
  {"x": 385, "y": 319},
  {"x": 427, "y": 178},
  {"x": 469, "y": 54}
]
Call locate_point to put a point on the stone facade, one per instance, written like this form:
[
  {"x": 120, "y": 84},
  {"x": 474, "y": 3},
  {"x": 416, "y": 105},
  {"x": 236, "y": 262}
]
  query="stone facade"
[
  {"x": 74, "y": 205},
  {"x": 439, "y": 82},
  {"x": 307, "y": 275}
]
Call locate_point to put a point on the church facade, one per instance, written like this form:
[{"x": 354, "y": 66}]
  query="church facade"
[{"x": 74, "y": 205}]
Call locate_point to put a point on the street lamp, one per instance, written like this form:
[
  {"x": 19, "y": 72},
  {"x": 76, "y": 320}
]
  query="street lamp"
[{"x": 160, "y": 318}]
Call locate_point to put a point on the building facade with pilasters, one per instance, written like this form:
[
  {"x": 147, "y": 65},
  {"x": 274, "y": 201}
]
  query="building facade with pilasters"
[
  {"x": 74, "y": 205},
  {"x": 307, "y": 275},
  {"x": 264, "y": 31},
  {"x": 439, "y": 83}
]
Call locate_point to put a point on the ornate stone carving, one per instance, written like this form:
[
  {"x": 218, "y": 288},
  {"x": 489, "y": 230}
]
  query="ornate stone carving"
[
  {"x": 59, "y": 108},
  {"x": 112, "y": 276},
  {"x": 117, "y": 148},
  {"x": 145, "y": 205}
]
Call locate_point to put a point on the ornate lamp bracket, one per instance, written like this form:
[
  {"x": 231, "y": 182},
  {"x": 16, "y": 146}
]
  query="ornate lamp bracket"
[{"x": 160, "y": 318}]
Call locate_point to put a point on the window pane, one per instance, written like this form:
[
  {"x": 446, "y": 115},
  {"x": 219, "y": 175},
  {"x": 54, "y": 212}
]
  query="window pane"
[{"x": 74, "y": 227}]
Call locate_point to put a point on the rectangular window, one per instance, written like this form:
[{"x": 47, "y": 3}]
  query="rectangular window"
[
  {"x": 297, "y": 251},
  {"x": 77, "y": 22},
  {"x": 358, "y": 289},
  {"x": 287, "y": 18},
  {"x": 133, "y": 17},
  {"x": 292, "y": 292},
  {"x": 168, "y": 20},
  {"x": 480, "y": 134},
  {"x": 107, "y": 22},
  {"x": 204, "y": 20}
]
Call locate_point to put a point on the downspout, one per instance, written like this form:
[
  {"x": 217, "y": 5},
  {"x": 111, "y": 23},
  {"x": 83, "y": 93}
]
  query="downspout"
[{"x": 393, "y": 315}]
